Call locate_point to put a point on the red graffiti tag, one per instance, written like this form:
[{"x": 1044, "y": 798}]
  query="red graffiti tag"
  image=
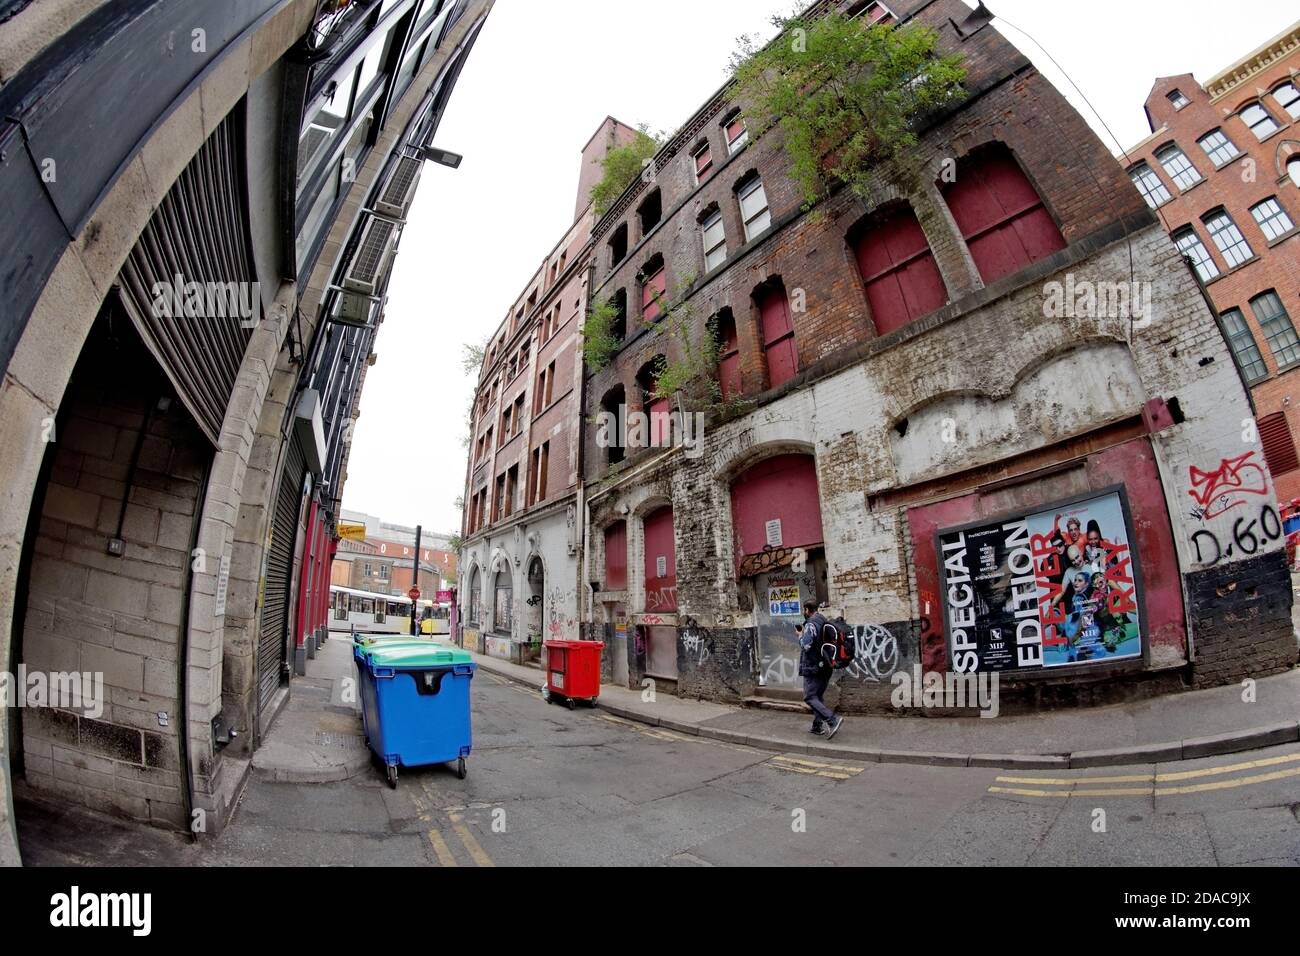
[{"x": 1214, "y": 490}]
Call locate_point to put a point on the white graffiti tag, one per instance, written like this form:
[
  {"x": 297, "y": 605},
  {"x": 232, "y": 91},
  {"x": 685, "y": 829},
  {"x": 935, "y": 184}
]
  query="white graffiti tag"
[
  {"x": 779, "y": 670},
  {"x": 695, "y": 644},
  {"x": 876, "y": 656}
]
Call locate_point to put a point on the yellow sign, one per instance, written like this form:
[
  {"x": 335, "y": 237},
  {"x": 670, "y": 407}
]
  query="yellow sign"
[{"x": 352, "y": 532}]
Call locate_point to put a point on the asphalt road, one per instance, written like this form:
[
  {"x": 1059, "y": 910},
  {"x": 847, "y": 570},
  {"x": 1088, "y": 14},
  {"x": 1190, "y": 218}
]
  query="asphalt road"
[{"x": 549, "y": 786}]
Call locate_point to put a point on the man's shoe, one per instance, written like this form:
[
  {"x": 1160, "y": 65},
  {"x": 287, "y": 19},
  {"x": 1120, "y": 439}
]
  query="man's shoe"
[
  {"x": 819, "y": 731},
  {"x": 834, "y": 726}
]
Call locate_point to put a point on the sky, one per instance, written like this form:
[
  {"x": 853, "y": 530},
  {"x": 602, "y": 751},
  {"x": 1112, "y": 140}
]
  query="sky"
[{"x": 541, "y": 78}]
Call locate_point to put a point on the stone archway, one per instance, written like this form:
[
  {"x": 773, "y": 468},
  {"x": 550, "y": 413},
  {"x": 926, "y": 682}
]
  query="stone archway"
[{"x": 534, "y": 616}]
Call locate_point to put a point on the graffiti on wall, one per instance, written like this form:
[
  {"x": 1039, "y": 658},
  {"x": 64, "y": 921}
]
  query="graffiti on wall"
[
  {"x": 774, "y": 559},
  {"x": 558, "y": 625},
  {"x": 662, "y": 599},
  {"x": 1225, "y": 487},
  {"x": 1237, "y": 483},
  {"x": 470, "y": 640},
  {"x": 875, "y": 655},
  {"x": 778, "y": 670}
]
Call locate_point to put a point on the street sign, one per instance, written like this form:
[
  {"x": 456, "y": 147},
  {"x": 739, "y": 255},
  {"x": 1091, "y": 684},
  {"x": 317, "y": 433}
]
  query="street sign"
[{"x": 413, "y": 594}]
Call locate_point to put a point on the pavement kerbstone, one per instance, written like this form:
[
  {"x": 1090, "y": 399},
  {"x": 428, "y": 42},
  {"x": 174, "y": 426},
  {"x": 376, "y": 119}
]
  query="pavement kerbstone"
[
  {"x": 925, "y": 757},
  {"x": 1119, "y": 756},
  {"x": 1028, "y": 761},
  {"x": 1254, "y": 739}
]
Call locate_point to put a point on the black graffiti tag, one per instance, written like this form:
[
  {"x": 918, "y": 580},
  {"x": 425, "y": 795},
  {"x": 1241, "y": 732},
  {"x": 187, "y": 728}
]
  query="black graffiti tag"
[{"x": 1210, "y": 549}]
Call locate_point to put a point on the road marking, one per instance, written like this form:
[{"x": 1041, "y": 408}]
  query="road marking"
[
  {"x": 1154, "y": 791},
  {"x": 441, "y": 850},
  {"x": 1229, "y": 784},
  {"x": 475, "y": 851},
  {"x": 815, "y": 763},
  {"x": 1160, "y": 777},
  {"x": 812, "y": 767},
  {"x": 1231, "y": 768}
]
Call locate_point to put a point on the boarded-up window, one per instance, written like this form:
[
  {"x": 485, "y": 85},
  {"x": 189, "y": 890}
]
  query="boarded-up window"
[
  {"x": 616, "y": 557},
  {"x": 728, "y": 356},
  {"x": 775, "y": 503},
  {"x": 898, "y": 269},
  {"x": 660, "y": 562},
  {"x": 652, "y": 292},
  {"x": 778, "y": 335},
  {"x": 1000, "y": 214},
  {"x": 1279, "y": 444}
]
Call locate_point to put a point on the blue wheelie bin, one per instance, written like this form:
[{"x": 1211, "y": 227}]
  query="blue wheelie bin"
[{"x": 415, "y": 704}]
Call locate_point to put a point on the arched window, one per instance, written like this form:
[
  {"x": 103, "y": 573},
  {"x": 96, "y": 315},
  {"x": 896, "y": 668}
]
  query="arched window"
[
  {"x": 1288, "y": 97},
  {"x": 619, "y": 326},
  {"x": 475, "y": 597},
  {"x": 654, "y": 286},
  {"x": 660, "y": 561},
  {"x": 503, "y": 601},
  {"x": 728, "y": 355},
  {"x": 616, "y": 556},
  {"x": 777, "y": 328},
  {"x": 1259, "y": 120},
  {"x": 1000, "y": 214},
  {"x": 614, "y": 406},
  {"x": 897, "y": 267},
  {"x": 1293, "y": 170},
  {"x": 656, "y": 407}
]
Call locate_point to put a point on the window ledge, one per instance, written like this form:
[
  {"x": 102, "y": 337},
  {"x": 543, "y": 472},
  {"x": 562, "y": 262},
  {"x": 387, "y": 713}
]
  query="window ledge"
[
  {"x": 1288, "y": 367},
  {"x": 1200, "y": 182},
  {"x": 1293, "y": 231},
  {"x": 1272, "y": 134},
  {"x": 1237, "y": 268}
]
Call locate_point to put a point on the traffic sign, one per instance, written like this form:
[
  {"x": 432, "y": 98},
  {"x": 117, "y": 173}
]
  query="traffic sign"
[{"x": 414, "y": 593}]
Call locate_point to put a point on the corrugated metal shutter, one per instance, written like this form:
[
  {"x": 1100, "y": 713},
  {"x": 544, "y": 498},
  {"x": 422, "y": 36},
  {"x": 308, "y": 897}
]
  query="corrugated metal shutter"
[
  {"x": 271, "y": 643},
  {"x": 1279, "y": 445},
  {"x": 200, "y": 235}
]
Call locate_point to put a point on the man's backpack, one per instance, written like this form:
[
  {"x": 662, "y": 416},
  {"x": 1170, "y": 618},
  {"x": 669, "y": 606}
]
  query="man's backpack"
[{"x": 839, "y": 647}]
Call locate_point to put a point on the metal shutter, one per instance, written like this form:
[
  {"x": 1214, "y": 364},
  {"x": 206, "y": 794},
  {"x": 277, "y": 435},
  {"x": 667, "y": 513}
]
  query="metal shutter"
[
  {"x": 1279, "y": 446},
  {"x": 273, "y": 627},
  {"x": 199, "y": 233}
]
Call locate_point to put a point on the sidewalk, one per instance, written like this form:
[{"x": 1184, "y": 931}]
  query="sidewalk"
[
  {"x": 1199, "y": 723},
  {"x": 318, "y": 737}
]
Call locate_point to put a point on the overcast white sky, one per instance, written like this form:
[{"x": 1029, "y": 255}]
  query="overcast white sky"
[{"x": 539, "y": 81}]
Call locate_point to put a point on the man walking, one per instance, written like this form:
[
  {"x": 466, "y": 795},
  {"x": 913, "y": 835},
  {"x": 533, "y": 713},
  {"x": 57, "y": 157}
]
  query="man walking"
[{"x": 816, "y": 672}]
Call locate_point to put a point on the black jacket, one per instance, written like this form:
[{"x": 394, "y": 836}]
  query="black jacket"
[{"x": 811, "y": 662}]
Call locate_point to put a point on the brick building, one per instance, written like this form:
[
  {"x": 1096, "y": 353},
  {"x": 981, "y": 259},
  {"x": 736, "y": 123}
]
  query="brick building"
[
  {"x": 520, "y": 558},
  {"x": 1222, "y": 168},
  {"x": 203, "y": 203},
  {"x": 902, "y": 372},
  {"x": 382, "y": 563}
]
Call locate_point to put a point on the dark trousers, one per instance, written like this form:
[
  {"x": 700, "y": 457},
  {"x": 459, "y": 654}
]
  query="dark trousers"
[{"x": 813, "y": 689}]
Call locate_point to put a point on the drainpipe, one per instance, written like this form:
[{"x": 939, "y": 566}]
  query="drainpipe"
[
  {"x": 580, "y": 513},
  {"x": 183, "y": 662}
]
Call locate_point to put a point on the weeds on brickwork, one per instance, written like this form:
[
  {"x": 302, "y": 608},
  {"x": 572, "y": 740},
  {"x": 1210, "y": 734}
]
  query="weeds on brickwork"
[
  {"x": 844, "y": 97},
  {"x": 622, "y": 165}
]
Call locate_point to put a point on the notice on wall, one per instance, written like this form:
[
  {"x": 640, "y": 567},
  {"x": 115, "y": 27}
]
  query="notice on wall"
[
  {"x": 774, "y": 539},
  {"x": 1051, "y": 589},
  {"x": 783, "y": 600},
  {"x": 223, "y": 585},
  {"x": 661, "y": 566}
]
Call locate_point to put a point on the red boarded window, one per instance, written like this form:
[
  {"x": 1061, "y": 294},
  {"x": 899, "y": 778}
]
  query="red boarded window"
[
  {"x": 775, "y": 502},
  {"x": 778, "y": 335},
  {"x": 728, "y": 356},
  {"x": 898, "y": 268},
  {"x": 703, "y": 161},
  {"x": 1279, "y": 445},
  {"x": 652, "y": 290},
  {"x": 660, "y": 562},
  {"x": 616, "y": 557},
  {"x": 1000, "y": 214}
]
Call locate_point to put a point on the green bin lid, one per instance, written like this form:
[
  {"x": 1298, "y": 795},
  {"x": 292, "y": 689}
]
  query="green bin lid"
[{"x": 410, "y": 654}]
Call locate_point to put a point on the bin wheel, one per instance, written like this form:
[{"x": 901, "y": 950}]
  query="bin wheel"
[
  {"x": 460, "y": 767},
  {"x": 392, "y": 776},
  {"x": 546, "y": 694},
  {"x": 592, "y": 702},
  {"x": 572, "y": 703}
]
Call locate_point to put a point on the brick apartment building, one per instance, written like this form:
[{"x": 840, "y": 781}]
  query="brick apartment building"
[
  {"x": 382, "y": 563},
  {"x": 174, "y": 458},
  {"x": 522, "y": 538},
  {"x": 896, "y": 376},
  {"x": 1222, "y": 167}
]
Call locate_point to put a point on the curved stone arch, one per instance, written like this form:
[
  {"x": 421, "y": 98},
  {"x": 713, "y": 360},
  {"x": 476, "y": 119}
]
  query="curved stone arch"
[
  {"x": 791, "y": 444},
  {"x": 1286, "y": 152}
]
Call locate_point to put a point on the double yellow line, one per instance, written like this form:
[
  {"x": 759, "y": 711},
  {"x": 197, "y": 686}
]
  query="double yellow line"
[
  {"x": 440, "y": 847},
  {"x": 813, "y": 767},
  {"x": 1146, "y": 784}
]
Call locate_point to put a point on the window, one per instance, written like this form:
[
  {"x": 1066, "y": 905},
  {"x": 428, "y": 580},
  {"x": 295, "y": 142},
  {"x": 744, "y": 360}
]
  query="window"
[
  {"x": 474, "y": 597},
  {"x": 1293, "y": 170},
  {"x": 487, "y": 439},
  {"x": 653, "y": 288},
  {"x": 1272, "y": 218},
  {"x": 1176, "y": 97},
  {"x": 519, "y": 415},
  {"x": 1178, "y": 167},
  {"x": 618, "y": 245},
  {"x": 506, "y": 414},
  {"x": 728, "y": 355},
  {"x": 1279, "y": 444},
  {"x": 650, "y": 211},
  {"x": 779, "y": 347},
  {"x": 502, "y": 607},
  {"x": 512, "y": 489},
  {"x": 1190, "y": 245},
  {"x": 616, "y": 557},
  {"x": 737, "y": 135},
  {"x": 1218, "y": 147},
  {"x": 537, "y": 477},
  {"x": 499, "y": 501},
  {"x": 1243, "y": 346},
  {"x": 1000, "y": 214},
  {"x": 612, "y": 405},
  {"x": 715, "y": 241},
  {"x": 873, "y": 11},
  {"x": 655, "y": 406},
  {"x": 753, "y": 208},
  {"x": 545, "y": 388},
  {"x": 1259, "y": 120},
  {"x": 703, "y": 157},
  {"x": 1149, "y": 185},
  {"x": 368, "y": 569},
  {"x": 1277, "y": 327},
  {"x": 1227, "y": 237},
  {"x": 619, "y": 327},
  {"x": 1288, "y": 97},
  {"x": 897, "y": 267}
]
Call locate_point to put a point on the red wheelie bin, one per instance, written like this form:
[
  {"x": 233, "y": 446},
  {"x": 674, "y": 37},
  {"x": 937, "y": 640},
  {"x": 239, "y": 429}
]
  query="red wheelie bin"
[{"x": 572, "y": 671}]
